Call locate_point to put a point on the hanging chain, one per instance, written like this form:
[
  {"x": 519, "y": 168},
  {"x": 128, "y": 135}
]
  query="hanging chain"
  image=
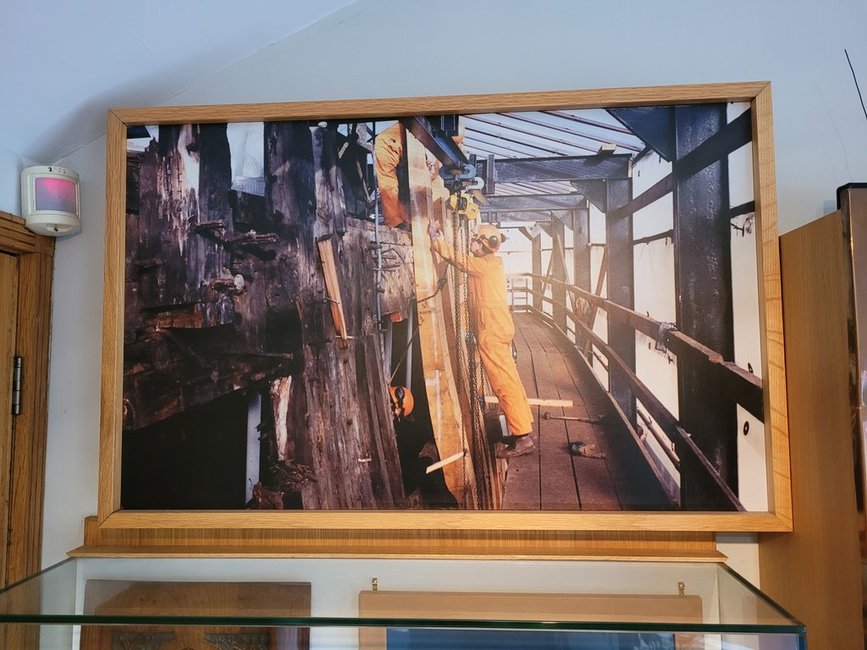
[
  {"x": 458, "y": 283},
  {"x": 473, "y": 370}
]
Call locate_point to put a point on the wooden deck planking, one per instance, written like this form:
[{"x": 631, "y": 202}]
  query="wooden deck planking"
[
  {"x": 632, "y": 480},
  {"x": 521, "y": 491},
  {"x": 557, "y": 488},
  {"x": 596, "y": 487},
  {"x": 611, "y": 476}
]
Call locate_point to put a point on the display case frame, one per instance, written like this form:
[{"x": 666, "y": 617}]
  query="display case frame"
[{"x": 326, "y": 603}]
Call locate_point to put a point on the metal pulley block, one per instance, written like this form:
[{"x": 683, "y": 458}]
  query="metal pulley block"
[{"x": 463, "y": 205}]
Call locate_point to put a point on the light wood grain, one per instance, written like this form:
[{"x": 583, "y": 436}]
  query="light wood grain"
[
  {"x": 426, "y": 543},
  {"x": 629, "y": 609},
  {"x": 503, "y": 102},
  {"x": 449, "y": 426},
  {"x": 26, "y": 466},
  {"x": 497, "y": 606},
  {"x": 332, "y": 285},
  {"x": 630, "y": 525},
  {"x": 814, "y": 572},
  {"x": 111, "y": 414},
  {"x": 771, "y": 309}
]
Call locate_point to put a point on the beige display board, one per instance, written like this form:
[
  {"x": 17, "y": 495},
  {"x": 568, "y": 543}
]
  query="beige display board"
[{"x": 629, "y": 609}]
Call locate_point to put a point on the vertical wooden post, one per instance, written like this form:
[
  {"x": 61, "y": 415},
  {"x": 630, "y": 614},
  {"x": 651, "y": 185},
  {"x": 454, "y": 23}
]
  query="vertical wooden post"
[
  {"x": 581, "y": 247},
  {"x": 536, "y": 256},
  {"x": 558, "y": 271},
  {"x": 621, "y": 289}
]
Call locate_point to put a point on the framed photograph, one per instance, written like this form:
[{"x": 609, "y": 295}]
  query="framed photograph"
[{"x": 548, "y": 311}]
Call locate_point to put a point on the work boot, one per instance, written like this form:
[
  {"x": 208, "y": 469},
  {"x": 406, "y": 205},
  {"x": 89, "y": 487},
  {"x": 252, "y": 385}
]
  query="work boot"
[{"x": 523, "y": 445}]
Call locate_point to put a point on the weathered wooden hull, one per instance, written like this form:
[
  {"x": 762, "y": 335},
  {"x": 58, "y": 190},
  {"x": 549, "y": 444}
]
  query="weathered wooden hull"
[{"x": 446, "y": 414}]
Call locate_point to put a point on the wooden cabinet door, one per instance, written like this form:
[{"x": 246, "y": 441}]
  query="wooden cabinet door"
[{"x": 26, "y": 266}]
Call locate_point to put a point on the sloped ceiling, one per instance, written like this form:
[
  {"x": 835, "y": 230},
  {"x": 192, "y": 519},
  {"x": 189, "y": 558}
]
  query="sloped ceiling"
[{"x": 63, "y": 63}]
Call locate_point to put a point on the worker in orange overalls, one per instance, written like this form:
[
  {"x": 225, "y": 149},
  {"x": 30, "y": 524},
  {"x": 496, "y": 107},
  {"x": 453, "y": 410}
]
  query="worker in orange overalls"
[
  {"x": 495, "y": 330},
  {"x": 387, "y": 154},
  {"x": 388, "y": 157}
]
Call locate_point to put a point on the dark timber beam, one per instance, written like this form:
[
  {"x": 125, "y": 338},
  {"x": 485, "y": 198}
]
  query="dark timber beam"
[
  {"x": 537, "y": 216},
  {"x": 703, "y": 288},
  {"x": 560, "y": 168},
  {"x": 653, "y": 124},
  {"x": 557, "y": 271},
  {"x": 728, "y": 139},
  {"x": 654, "y": 193},
  {"x": 581, "y": 247},
  {"x": 621, "y": 290},
  {"x": 715, "y": 147},
  {"x": 594, "y": 191},
  {"x": 536, "y": 265},
  {"x": 523, "y": 202},
  {"x": 436, "y": 140}
]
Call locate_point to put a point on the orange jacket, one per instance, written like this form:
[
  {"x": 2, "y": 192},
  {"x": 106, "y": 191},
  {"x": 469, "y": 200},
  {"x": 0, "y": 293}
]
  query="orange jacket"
[{"x": 487, "y": 284}]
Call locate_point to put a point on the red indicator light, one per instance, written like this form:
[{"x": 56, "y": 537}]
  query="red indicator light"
[{"x": 57, "y": 194}]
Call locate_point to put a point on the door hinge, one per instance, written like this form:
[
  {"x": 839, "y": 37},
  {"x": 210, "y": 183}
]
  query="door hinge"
[{"x": 17, "y": 368}]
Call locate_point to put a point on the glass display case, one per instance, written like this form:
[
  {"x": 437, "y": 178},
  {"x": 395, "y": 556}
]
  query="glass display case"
[{"x": 307, "y": 604}]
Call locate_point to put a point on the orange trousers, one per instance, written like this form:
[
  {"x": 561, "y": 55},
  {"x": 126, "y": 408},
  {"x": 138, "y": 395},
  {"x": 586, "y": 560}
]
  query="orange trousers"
[
  {"x": 495, "y": 350},
  {"x": 487, "y": 284}
]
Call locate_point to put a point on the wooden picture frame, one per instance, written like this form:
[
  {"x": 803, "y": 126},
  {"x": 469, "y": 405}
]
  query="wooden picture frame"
[{"x": 755, "y": 121}]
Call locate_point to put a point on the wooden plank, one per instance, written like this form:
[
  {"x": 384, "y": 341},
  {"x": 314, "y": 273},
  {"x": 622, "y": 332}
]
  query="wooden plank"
[
  {"x": 503, "y": 102},
  {"x": 111, "y": 398},
  {"x": 535, "y": 401},
  {"x": 499, "y": 606},
  {"x": 332, "y": 286},
  {"x": 533, "y": 606},
  {"x": 440, "y": 383},
  {"x": 596, "y": 488},
  {"x": 633, "y": 480},
  {"x": 825, "y": 590},
  {"x": 521, "y": 487},
  {"x": 15, "y": 237},
  {"x": 422, "y": 542},
  {"x": 557, "y": 488},
  {"x": 771, "y": 307}
]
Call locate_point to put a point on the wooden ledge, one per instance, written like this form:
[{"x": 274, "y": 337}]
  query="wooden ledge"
[{"x": 407, "y": 544}]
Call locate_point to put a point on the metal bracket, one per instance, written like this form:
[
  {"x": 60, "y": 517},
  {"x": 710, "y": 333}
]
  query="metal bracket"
[{"x": 17, "y": 370}]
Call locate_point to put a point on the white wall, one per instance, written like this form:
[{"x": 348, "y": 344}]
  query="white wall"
[
  {"x": 10, "y": 167},
  {"x": 391, "y": 48}
]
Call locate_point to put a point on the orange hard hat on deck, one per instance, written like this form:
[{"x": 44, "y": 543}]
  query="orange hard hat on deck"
[{"x": 402, "y": 401}]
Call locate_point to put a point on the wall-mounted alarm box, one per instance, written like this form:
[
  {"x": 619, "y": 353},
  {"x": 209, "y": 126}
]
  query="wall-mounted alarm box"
[{"x": 50, "y": 200}]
